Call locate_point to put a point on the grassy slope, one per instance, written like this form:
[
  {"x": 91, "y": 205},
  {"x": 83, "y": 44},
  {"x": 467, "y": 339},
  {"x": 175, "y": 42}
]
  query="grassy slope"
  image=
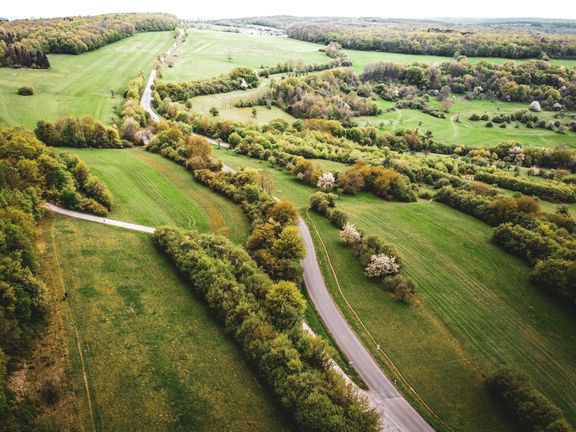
[
  {"x": 476, "y": 308},
  {"x": 79, "y": 85},
  {"x": 225, "y": 103},
  {"x": 469, "y": 133},
  {"x": 155, "y": 358},
  {"x": 205, "y": 54},
  {"x": 151, "y": 190},
  {"x": 362, "y": 58}
]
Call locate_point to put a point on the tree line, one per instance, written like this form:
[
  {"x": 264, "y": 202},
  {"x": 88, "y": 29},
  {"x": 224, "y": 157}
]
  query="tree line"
[
  {"x": 336, "y": 94},
  {"x": 265, "y": 318},
  {"x": 379, "y": 259},
  {"x": 531, "y": 410},
  {"x": 78, "y": 132},
  {"x": 31, "y": 173},
  {"x": 546, "y": 241},
  {"x": 25, "y": 43},
  {"x": 554, "y": 86},
  {"x": 240, "y": 78},
  {"x": 429, "y": 42}
]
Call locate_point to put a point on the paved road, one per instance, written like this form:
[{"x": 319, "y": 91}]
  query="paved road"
[
  {"x": 91, "y": 218},
  {"x": 395, "y": 412}
]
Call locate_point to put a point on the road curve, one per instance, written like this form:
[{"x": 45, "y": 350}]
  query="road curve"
[{"x": 395, "y": 412}]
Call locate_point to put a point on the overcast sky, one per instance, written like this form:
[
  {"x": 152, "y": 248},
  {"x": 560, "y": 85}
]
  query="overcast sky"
[{"x": 242, "y": 8}]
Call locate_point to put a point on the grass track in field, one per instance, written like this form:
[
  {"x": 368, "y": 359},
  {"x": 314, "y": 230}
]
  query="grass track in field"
[
  {"x": 205, "y": 54},
  {"x": 79, "y": 85},
  {"x": 151, "y": 190},
  {"x": 476, "y": 308},
  {"x": 155, "y": 357}
]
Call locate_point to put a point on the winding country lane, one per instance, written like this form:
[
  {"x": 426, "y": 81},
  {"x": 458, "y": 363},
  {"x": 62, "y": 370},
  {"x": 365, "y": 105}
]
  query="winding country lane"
[{"x": 395, "y": 411}]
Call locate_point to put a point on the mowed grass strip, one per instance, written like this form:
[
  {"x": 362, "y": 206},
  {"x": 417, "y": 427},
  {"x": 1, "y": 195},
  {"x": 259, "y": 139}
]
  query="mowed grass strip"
[
  {"x": 154, "y": 356},
  {"x": 86, "y": 84},
  {"x": 476, "y": 308},
  {"x": 209, "y": 53},
  {"x": 151, "y": 190}
]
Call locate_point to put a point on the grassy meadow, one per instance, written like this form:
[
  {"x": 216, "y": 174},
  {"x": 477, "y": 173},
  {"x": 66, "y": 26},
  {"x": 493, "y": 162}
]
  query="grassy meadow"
[
  {"x": 362, "y": 58},
  {"x": 471, "y": 133},
  {"x": 208, "y": 53},
  {"x": 151, "y": 190},
  {"x": 227, "y": 111},
  {"x": 475, "y": 311},
  {"x": 152, "y": 355},
  {"x": 86, "y": 84}
]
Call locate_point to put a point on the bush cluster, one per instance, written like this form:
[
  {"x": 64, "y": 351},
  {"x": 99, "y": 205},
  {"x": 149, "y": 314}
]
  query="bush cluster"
[
  {"x": 78, "y": 132},
  {"x": 240, "y": 78},
  {"x": 530, "y": 409},
  {"x": 550, "y": 191}
]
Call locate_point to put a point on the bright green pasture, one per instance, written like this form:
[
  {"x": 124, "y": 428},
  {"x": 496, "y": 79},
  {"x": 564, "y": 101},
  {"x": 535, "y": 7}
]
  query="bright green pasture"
[
  {"x": 151, "y": 190},
  {"x": 457, "y": 129},
  {"x": 476, "y": 309},
  {"x": 362, "y": 58},
  {"x": 207, "y": 53},
  {"x": 153, "y": 356},
  {"x": 86, "y": 84}
]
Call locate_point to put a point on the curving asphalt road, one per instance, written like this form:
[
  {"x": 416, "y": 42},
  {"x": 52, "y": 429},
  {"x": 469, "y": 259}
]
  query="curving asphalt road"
[{"x": 395, "y": 412}]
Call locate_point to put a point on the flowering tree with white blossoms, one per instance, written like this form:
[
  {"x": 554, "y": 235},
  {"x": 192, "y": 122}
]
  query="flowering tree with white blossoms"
[
  {"x": 380, "y": 265},
  {"x": 326, "y": 181},
  {"x": 350, "y": 234},
  {"x": 517, "y": 155}
]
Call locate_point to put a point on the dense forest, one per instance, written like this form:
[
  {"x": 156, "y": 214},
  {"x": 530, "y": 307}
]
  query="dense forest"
[
  {"x": 439, "y": 41},
  {"x": 30, "y": 173},
  {"x": 25, "y": 43},
  {"x": 533, "y": 25},
  {"x": 552, "y": 85}
]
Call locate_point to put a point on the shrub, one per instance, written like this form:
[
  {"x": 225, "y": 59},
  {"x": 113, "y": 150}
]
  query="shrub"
[
  {"x": 25, "y": 91},
  {"x": 402, "y": 288},
  {"x": 531, "y": 409},
  {"x": 558, "y": 277}
]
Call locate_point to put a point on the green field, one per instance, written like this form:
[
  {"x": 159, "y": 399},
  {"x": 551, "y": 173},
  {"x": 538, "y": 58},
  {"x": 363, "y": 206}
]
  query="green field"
[
  {"x": 362, "y": 58},
  {"x": 471, "y": 133},
  {"x": 225, "y": 103},
  {"x": 205, "y": 54},
  {"x": 151, "y": 190},
  {"x": 79, "y": 84},
  {"x": 154, "y": 357},
  {"x": 476, "y": 309}
]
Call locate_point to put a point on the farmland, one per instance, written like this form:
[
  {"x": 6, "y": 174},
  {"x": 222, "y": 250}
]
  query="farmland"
[
  {"x": 206, "y": 54},
  {"x": 150, "y": 348},
  {"x": 150, "y": 190},
  {"x": 453, "y": 262},
  {"x": 458, "y": 129},
  {"x": 362, "y": 58},
  {"x": 86, "y": 84},
  {"x": 138, "y": 350}
]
